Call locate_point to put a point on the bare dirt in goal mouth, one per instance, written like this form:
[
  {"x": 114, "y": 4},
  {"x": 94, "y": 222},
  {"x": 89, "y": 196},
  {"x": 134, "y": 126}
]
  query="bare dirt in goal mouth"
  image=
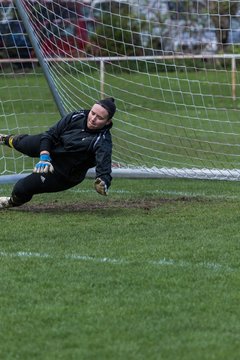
[{"x": 144, "y": 204}]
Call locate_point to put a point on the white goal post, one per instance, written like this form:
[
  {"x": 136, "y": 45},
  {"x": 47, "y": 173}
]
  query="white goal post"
[{"x": 172, "y": 67}]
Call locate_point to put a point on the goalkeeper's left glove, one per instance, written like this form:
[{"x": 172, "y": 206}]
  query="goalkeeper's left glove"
[
  {"x": 44, "y": 165},
  {"x": 101, "y": 187}
]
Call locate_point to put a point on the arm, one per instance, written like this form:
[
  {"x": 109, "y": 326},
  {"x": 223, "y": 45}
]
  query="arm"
[
  {"x": 103, "y": 156},
  {"x": 44, "y": 165},
  {"x": 48, "y": 139},
  {"x": 52, "y": 136}
]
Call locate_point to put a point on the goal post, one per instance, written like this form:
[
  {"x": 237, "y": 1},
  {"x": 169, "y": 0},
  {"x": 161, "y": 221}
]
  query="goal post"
[{"x": 172, "y": 67}]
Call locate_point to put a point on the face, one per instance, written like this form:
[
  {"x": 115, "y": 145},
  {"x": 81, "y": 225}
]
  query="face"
[{"x": 97, "y": 117}]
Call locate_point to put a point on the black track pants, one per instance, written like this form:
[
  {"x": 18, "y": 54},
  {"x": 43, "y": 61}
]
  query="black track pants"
[
  {"x": 27, "y": 144},
  {"x": 32, "y": 184}
]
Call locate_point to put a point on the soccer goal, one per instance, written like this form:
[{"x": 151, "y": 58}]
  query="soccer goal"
[{"x": 172, "y": 67}]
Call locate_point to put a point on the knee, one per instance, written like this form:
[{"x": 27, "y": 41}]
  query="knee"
[
  {"x": 16, "y": 140},
  {"x": 19, "y": 194}
]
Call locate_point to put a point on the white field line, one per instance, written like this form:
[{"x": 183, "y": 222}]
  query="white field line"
[{"x": 158, "y": 263}]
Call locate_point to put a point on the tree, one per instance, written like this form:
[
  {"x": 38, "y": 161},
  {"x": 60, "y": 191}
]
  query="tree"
[
  {"x": 220, "y": 14},
  {"x": 117, "y": 32}
]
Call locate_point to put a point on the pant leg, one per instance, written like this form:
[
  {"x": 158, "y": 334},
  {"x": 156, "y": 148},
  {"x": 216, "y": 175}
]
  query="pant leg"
[
  {"x": 32, "y": 184},
  {"x": 27, "y": 144}
]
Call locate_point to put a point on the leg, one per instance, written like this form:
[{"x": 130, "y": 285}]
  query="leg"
[
  {"x": 33, "y": 184},
  {"x": 26, "y": 144}
]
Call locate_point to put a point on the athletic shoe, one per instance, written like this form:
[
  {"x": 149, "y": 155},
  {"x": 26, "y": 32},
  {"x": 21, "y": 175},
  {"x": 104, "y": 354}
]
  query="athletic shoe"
[
  {"x": 5, "y": 202},
  {"x": 2, "y": 139}
]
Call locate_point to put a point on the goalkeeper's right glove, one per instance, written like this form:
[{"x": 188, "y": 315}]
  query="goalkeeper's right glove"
[
  {"x": 44, "y": 165},
  {"x": 101, "y": 187}
]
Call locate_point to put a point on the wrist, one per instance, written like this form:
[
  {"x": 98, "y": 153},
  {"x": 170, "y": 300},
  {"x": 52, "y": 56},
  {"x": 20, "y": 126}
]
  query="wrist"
[{"x": 45, "y": 157}]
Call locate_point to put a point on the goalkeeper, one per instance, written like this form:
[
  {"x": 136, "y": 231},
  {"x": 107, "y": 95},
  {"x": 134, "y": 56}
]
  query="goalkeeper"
[{"x": 79, "y": 141}]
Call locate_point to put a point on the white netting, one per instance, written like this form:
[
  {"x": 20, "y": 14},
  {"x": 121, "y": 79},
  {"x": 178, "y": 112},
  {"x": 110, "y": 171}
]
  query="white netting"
[{"x": 172, "y": 67}]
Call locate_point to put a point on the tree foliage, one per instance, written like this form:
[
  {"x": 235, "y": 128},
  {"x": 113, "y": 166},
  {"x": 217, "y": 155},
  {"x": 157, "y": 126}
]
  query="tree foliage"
[
  {"x": 117, "y": 32},
  {"x": 220, "y": 14}
]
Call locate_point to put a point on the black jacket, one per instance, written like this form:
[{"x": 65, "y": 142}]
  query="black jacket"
[{"x": 74, "y": 148}]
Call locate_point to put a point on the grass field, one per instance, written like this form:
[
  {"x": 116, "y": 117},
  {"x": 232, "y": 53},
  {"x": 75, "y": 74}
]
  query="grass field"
[{"x": 150, "y": 272}]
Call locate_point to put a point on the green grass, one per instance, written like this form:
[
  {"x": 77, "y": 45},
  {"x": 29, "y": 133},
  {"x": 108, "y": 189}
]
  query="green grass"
[
  {"x": 164, "y": 119},
  {"x": 150, "y": 272}
]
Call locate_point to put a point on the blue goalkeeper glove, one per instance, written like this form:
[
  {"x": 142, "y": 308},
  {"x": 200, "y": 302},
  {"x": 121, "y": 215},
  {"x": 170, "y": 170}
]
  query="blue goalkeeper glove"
[{"x": 44, "y": 165}]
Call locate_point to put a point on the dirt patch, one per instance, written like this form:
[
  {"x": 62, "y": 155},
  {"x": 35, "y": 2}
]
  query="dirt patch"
[{"x": 145, "y": 204}]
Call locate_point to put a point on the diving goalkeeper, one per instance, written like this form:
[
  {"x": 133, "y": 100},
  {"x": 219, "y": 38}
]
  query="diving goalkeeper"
[{"x": 79, "y": 141}]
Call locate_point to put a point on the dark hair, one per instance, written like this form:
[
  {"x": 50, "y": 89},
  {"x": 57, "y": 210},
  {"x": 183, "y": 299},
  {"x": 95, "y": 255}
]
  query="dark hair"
[{"x": 109, "y": 105}]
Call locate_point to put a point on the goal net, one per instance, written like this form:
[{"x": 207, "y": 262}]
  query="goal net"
[{"x": 172, "y": 67}]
